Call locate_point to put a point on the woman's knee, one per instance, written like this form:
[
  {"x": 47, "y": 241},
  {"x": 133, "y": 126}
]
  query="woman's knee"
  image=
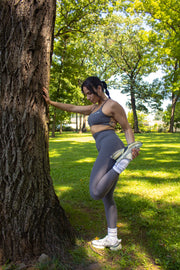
[{"x": 95, "y": 195}]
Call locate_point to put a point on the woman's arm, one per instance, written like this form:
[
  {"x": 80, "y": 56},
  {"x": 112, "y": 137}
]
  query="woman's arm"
[
  {"x": 120, "y": 116},
  {"x": 67, "y": 107}
]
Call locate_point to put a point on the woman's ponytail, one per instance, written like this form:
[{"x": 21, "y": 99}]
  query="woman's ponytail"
[{"x": 105, "y": 87}]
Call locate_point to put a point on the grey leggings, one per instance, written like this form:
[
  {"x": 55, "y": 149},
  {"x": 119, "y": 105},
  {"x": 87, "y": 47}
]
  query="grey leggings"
[{"x": 103, "y": 178}]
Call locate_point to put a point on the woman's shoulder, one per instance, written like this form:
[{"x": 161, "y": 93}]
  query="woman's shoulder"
[
  {"x": 113, "y": 104},
  {"x": 113, "y": 108}
]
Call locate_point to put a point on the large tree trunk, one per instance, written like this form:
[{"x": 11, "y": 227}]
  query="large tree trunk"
[{"x": 31, "y": 218}]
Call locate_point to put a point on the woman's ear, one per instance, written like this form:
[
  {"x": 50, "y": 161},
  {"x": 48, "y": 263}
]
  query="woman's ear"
[{"x": 99, "y": 90}]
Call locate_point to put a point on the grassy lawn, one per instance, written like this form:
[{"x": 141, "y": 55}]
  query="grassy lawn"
[{"x": 147, "y": 197}]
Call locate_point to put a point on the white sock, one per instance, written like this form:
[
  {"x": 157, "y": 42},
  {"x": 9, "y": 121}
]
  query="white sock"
[
  {"x": 121, "y": 166},
  {"x": 112, "y": 233}
]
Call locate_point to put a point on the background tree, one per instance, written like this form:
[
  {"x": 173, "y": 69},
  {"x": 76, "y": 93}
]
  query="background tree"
[
  {"x": 143, "y": 122},
  {"x": 172, "y": 86},
  {"x": 71, "y": 65},
  {"x": 32, "y": 220},
  {"x": 127, "y": 45},
  {"x": 167, "y": 116},
  {"x": 163, "y": 17}
]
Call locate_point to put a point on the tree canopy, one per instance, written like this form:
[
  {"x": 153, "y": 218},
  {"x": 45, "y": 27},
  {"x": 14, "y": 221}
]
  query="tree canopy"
[
  {"x": 164, "y": 18},
  {"x": 123, "y": 40}
]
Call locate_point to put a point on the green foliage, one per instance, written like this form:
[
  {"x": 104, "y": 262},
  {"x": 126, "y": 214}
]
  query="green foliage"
[
  {"x": 163, "y": 17},
  {"x": 78, "y": 16},
  {"x": 142, "y": 119},
  {"x": 71, "y": 62},
  {"x": 100, "y": 38},
  {"x": 147, "y": 95},
  {"x": 127, "y": 49}
]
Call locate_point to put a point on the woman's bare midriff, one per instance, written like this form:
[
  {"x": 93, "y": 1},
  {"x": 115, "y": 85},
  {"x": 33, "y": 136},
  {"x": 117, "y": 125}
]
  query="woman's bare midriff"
[{"x": 98, "y": 128}]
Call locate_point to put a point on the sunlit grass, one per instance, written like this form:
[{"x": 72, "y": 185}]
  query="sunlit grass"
[
  {"x": 60, "y": 189},
  {"x": 147, "y": 197},
  {"x": 84, "y": 160}
]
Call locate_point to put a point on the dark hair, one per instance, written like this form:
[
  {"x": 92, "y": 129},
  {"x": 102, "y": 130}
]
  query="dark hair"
[{"x": 93, "y": 82}]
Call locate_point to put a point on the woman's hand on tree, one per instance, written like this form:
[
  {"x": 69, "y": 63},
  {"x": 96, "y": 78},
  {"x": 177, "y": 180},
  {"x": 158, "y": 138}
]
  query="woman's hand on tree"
[{"x": 46, "y": 95}]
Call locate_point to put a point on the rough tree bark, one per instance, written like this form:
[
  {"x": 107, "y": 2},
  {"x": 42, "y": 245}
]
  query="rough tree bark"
[{"x": 31, "y": 218}]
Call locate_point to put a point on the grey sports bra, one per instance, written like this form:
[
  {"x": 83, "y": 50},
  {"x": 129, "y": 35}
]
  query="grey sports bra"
[{"x": 99, "y": 118}]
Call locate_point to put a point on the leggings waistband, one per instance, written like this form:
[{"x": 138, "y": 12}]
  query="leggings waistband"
[{"x": 109, "y": 131}]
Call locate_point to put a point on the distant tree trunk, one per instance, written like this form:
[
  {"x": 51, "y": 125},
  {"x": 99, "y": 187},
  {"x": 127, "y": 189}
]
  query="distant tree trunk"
[
  {"x": 175, "y": 97},
  {"x": 76, "y": 122},
  {"x": 31, "y": 219},
  {"x": 61, "y": 128},
  {"x": 133, "y": 104},
  {"x": 174, "y": 101},
  {"x": 80, "y": 123},
  {"x": 84, "y": 123},
  {"x": 54, "y": 124}
]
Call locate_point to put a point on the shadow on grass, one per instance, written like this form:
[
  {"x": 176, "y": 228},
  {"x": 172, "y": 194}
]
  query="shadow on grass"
[{"x": 150, "y": 223}]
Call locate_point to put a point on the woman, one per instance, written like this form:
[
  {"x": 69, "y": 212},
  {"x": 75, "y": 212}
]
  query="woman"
[{"x": 113, "y": 157}]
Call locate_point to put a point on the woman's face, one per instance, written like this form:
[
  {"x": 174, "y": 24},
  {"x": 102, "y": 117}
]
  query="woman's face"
[{"x": 90, "y": 96}]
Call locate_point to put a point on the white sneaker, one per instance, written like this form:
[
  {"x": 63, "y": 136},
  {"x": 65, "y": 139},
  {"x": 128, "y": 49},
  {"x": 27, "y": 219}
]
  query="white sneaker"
[
  {"x": 126, "y": 152},
  {"x": 106, "y": 242}
]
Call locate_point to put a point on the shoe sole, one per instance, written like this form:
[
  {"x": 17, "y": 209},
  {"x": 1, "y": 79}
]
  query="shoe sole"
[
  {"x": 113, "y": 248},
  {"x": 122, "y": 153},
  {"x": 116, "y": 247}
]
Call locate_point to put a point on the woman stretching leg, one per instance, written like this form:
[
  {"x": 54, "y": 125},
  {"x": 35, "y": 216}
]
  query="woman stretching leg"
[
  {"x": 113, "y": 157},
  {"x": 103, "y": 181}
]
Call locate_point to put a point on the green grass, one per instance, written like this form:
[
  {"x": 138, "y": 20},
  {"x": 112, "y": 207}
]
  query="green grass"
[{"x": 147, "y": 197}]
